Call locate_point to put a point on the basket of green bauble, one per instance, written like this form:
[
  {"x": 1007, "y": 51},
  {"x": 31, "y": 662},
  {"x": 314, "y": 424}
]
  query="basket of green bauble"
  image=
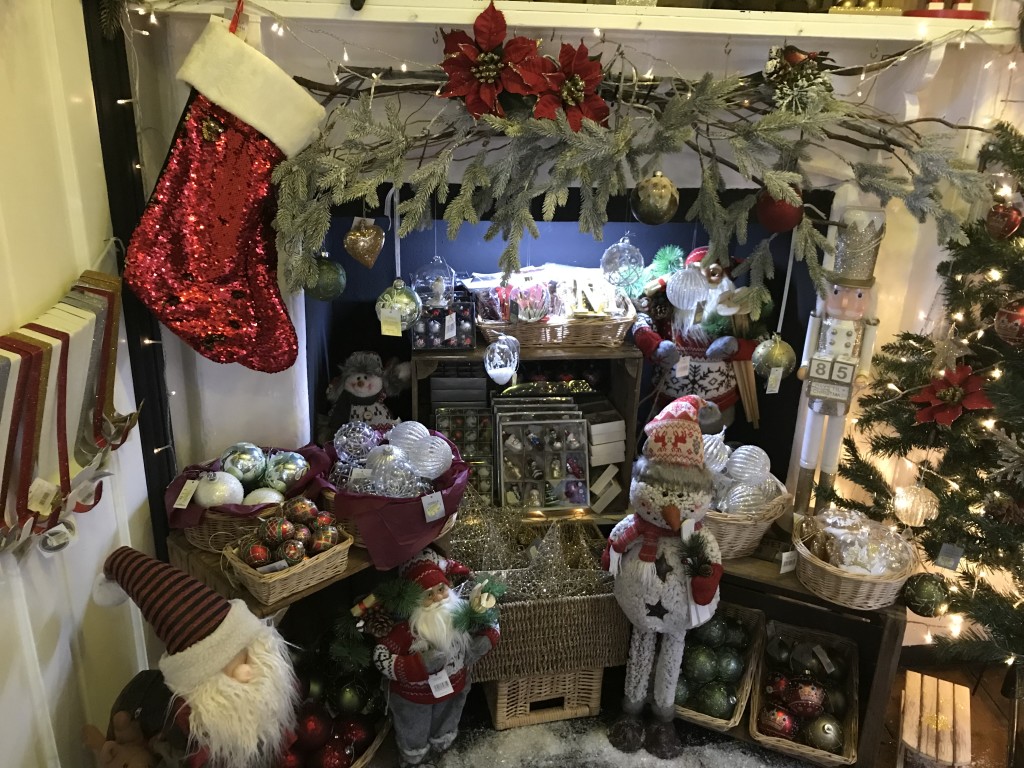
[{"x": 718, "y": 667}]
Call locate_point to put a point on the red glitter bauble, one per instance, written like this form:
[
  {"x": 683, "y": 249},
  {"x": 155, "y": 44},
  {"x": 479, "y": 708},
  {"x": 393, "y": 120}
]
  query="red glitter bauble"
[
  {"x": 355, "y": 730},
  {"x": 777, "y": 721},
  {"x": 1002, "y": 221},
  {"x": 323, "y": 520},
  {"x": 300, "y": 510},
  {"x": 291, "y": 759},
  {"x": 275, "y": 530},
  {"x": 324, "y": 539},
  {"x": 334, "y": 754},
  {"x": 313, "y": 727},
  {"x": 775, "y": 687},
  {"x": 805, "y": 697},
  {"x": 254, "y": 553},
  {"x": 1009, "y": 323}
]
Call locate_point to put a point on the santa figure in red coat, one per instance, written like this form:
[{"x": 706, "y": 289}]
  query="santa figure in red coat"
[{"x": 428, "y": 658}]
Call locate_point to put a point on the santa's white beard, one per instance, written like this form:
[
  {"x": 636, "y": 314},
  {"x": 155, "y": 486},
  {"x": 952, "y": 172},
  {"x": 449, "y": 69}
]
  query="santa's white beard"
[
  {"x": 244, "y": 724},
  {"x": 433, "y": 625}
]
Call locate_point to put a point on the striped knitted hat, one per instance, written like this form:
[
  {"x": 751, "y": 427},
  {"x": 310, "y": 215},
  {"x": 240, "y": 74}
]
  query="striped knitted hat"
[{"x": 202, "y": 630}]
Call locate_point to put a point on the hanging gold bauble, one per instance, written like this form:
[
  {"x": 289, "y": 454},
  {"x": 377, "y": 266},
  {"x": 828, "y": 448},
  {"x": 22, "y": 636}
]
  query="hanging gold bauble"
[{"x": 773, "y": 353}]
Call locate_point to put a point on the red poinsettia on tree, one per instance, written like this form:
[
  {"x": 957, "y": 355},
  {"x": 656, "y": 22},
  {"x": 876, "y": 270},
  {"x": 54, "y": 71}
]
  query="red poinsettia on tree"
[
  {"x": 574, "y": 88},
  {"x": 947, "y": 397},
  {"x": 479, "y": 69}
]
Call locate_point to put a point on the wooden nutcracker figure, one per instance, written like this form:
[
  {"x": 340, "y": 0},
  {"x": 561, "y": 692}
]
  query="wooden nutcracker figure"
[{"x": 837, "y": 350}]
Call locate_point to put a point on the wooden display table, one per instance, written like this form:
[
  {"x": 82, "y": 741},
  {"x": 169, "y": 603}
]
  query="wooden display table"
[
  {"x": 209, "y": 569},
  {"x": 878, "y": 634}
]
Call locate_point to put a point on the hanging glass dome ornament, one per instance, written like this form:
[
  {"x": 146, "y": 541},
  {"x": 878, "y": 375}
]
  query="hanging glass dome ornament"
[
  {"x": 434, "y": 283},
  {"x": 501, "y": 361},
  {"x": 622, "y": 263},
  {"x": 331, "y": 279},
  {"x": 402, "y": 298}
]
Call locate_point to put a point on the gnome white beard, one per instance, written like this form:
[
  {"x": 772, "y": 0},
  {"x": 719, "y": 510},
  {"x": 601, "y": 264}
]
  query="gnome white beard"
[
  {"x": 433, "y": 624},
  {"x": 244, "y": 724}
]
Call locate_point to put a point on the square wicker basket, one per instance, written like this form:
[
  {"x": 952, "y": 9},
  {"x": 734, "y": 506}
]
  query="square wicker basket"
[
  {"x": 544, "y": 698},
  {"x": 829, "y": 642},
  {"x": 753, "y": 622}
]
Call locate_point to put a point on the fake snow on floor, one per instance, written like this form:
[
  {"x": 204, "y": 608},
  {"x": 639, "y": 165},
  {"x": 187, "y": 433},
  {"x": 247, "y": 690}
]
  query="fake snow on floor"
[{"x": 584, "y": 744}]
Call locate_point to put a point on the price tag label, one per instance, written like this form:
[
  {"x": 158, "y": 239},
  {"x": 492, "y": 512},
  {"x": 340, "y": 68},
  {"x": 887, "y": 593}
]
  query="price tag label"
[
  {"x": 280, "y": 565},
  {"x": 682, "y": 369},
  {"x": 774, "y": 380},
  {"x": 449, "y": 326},
  {"x": 949, "y": 556},
  {"x": 187, "y": 491},
  {"x": 359, "y": 222},
  {"x": 41, "y": 495},
  {"x": 440, "y": 685},
  {"x": 359, "y": 473},
  {"x": 789, "y": 560},
  {"x": 433, "y": 506},
  {"x": 826, "y": 662},
  {"x": 391, "y": 321}
]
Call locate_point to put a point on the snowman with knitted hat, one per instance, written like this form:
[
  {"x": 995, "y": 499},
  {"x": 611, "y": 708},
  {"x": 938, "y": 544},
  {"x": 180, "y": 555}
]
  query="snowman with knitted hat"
[{"x": 667, "y": 569}]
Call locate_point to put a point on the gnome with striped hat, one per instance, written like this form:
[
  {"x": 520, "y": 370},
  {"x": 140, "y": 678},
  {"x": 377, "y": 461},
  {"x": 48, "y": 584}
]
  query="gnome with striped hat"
[{"x": 229, "y": 672}]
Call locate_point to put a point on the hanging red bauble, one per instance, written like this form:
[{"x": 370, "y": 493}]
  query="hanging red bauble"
[
  {"x": 1009, "y": 323},
  {"x": 777, "y": 215},
  {"x": 355, "y": 730},
  {"x": 947, "y": 397},
  {"x": 777, "y": 721},
  {"x": 291, "y": 759},
  {"x": 313, "y": 727},
  {"x": 334, "y": 754},
  {"x": 1003, "y": 220}
]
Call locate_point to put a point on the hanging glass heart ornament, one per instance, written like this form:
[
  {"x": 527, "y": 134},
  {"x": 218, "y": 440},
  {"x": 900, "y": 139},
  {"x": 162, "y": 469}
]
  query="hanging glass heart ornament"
[
  {"x": 364, "y": 242},
  {"x": 501, "y": 360}
]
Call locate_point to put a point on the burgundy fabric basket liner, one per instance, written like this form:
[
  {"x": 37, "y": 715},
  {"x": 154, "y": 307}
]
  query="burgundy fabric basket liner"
[
  {"x": 311, "y": 485},
  {"x": 394, "y": 529}
]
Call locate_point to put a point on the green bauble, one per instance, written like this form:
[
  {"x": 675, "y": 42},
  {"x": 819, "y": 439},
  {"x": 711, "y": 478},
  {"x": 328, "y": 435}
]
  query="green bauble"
[
  {"x": 926, "y": 594},
  {"x": 330, "y": 279},
  {"x": 402, "y": 299},
  {"x": 835, "y": 701},
  {"x": 716, "y": 700},
  {"x": 824, "y": 733},
  {"x": 804, "y": 661},
  {"x": 735, "y": 634},
  {"x": 682, "y": 692},
  {"x": 352, "y": 698},
  {"x": 700, "y": 664},
  {"x": 773, "y": 353},
  {"x": 711, "y": 633},
  {"x": 730, "y": 664}
]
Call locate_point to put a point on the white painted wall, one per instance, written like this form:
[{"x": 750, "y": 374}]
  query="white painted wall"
[{"x": 63, "y": 660}]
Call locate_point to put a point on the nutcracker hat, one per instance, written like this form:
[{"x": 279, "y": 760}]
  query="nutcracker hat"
[
  {"x": 428, "y": 569},
  {"x": 674, "y": 436},
  {"x": 203, "y": 631},
  {"x": 857, "y": 248}
]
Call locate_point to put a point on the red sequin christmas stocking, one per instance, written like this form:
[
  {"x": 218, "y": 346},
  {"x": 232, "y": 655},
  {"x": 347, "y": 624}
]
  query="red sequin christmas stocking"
[{"x": 203, "y": 257}]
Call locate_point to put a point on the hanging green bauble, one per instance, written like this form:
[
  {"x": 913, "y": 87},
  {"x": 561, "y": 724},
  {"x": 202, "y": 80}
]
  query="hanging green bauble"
[
  {"x": 654, "y": 200},
  {"x": 730, "y": 664},
  {"x": 700, "y": 664},
  {"x": 400, "y": 297},
  {"x": 926, "y": 594},
  {"x": 682, "y": 692},
  {"x": 330, "y": 279},
  {"x": 825, "y": 733},
  {"x": 711, "y": 633},
  {"x": 773, "y": 353},
  {"x": 352, "y": 698},
  {"x": 716, "y": 700}
]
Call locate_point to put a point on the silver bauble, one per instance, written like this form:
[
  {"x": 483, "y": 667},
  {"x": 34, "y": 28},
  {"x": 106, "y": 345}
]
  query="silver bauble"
[
  {"x": 284, "y": 469},
  {"x": 744, "y": 499},
  {"x": 748, "y": 464},
  {"x": 384, "y": 454},
  {"x": 246, "y": 461},
  {"x": 403, "y": 298},
  {"x": 915, "y": 505},
  {"x": 397, "y": 480},
  {"x": 431, "y": 457},
  {"x": 263, "y": 496},
  {"x": 773, "y": 353},
  {"x": 216, "y": 489},
  {"x": 406, "y": 434},
  {"x": 654, "y": 200},
  {"x": 716, "y": 452},
  {"x": 355, "y": 439}
]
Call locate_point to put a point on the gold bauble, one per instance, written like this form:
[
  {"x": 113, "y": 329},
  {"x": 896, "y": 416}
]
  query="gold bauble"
[
  {"x": 654, "y": 200},
  {"x": 364, "y": 243},
  {"x": 773, "y": 353}
]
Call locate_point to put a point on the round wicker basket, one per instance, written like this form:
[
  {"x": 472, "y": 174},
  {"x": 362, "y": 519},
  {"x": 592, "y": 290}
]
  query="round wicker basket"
[
  {"x": 739, "y": 535},
  {"x": 863, "y": 592}
]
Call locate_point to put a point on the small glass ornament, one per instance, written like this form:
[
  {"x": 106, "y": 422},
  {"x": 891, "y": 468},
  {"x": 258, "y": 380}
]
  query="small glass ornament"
[
  {"x": 217, "y": 488},
  {"x": 330, "y": 279},
  {"x": 382, "y": 455},
  {"x": 501, "y": 360},
  {"x": 434, "y": 282},
  {"x": 402, "y": 298},
  {"x": 246, "y": 461},
  {"x": 397, "y": 480},
  {"x": 355, "y": 439},
  {"x": 406, "y": 434},
  {"x": 262, "y": 496},
  {"x": 749, "y": 464},
  {"x": 716, "y": 452},
  {"x": 284, "y": 470},
  {"x": 431, "y": 457},
  {"x": 916, "y": 505},
  {"x": 622, "y": 263},
  {"x": 744, "y": 499}
]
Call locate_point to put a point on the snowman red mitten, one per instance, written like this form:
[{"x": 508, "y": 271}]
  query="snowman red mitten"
[
  {"x": 203, "y": 257},
  {"x": 704, "y": 588}
]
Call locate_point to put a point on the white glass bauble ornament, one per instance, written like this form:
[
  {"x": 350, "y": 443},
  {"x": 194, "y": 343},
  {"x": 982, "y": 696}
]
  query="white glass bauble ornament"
[
  {"x": 501, "y": 360},
  {"x": 285, "y": 469},
  {"x": 397, "y": 480},
  {"x": 431, "y": 457},
  {"x": 403, "y": 299},
  {"x": 263, "y": 496},
  {"x": 384, "y": 454},
  {"x": 434, "y": 282},
  {"x": 749, "y": 464},
  {"x": 218, "y": 488},
  {"x": 686, "y": 288},
  {"x": 744, "y": 499},
  {"x": 355, "y": 439},
  {"x": 716, "y": 452},
  {"x": 915, "y": 505},
  {"x": 406, "y": 434},
  {"x": 622, "y": 263},
  {"x": 246, "y": 461}
]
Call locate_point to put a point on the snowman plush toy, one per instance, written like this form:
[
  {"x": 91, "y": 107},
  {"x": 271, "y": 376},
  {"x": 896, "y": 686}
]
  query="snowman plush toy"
[{"x": 667, "y": 569}]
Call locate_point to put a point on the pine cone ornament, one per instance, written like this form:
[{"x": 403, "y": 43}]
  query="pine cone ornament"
[{"x": 1004, "y": 509}]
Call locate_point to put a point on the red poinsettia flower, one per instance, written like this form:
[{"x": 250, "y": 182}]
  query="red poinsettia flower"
[
  {"x": 946, "y": 398},
  {"x": 574, "y": 88},
  {"x": 481, "y": 68}
]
